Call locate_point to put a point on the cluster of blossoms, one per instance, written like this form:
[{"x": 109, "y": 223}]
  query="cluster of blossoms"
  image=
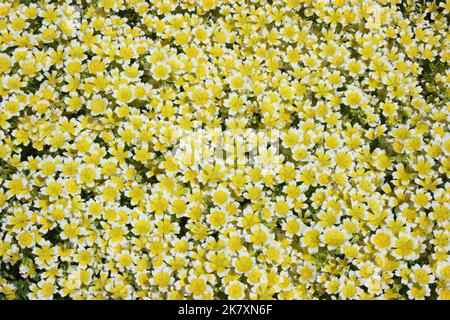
[{"x": 350, "y": 202}]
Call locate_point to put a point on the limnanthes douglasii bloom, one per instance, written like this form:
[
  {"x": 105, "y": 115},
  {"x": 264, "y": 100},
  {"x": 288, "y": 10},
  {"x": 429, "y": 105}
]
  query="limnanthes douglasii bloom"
[{"x": 180, "y": 149}]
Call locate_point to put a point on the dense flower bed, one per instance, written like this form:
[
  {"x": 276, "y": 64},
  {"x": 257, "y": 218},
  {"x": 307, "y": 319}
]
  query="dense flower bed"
[{"x": 350, "y": 200}]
